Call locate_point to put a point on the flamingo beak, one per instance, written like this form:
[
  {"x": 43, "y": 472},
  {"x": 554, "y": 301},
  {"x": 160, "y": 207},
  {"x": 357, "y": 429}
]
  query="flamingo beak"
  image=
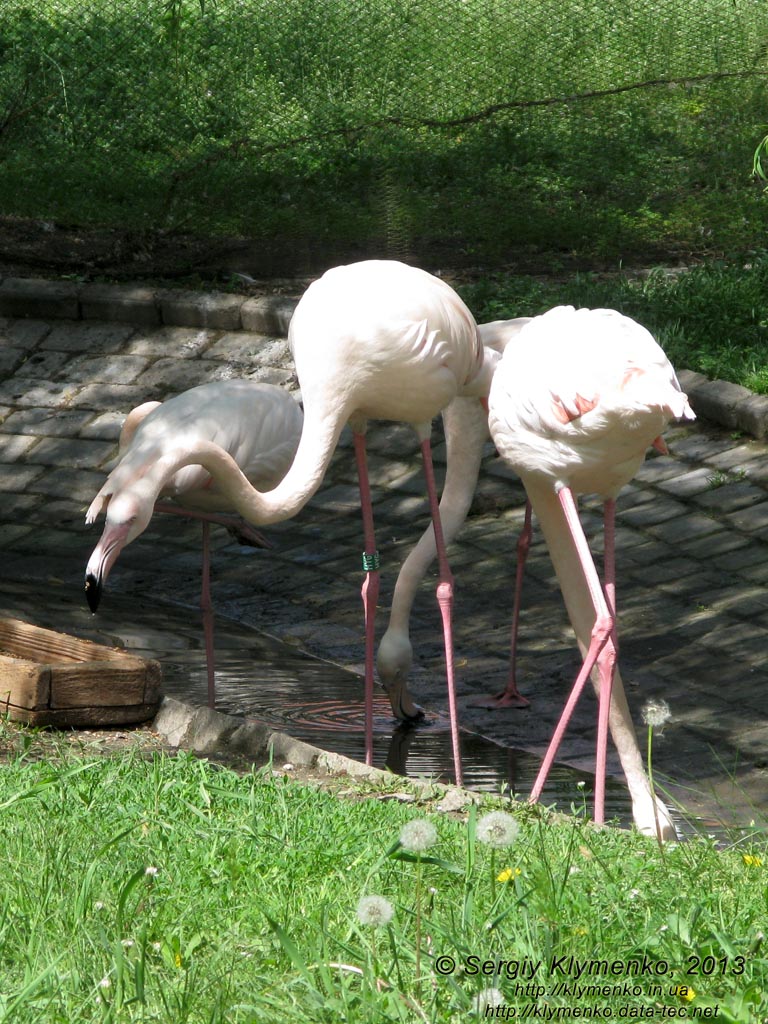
[
  {"x": 403, "y": 706},
  {"x": 93, "y": 589},
  {"x": 100, "y": 563}
]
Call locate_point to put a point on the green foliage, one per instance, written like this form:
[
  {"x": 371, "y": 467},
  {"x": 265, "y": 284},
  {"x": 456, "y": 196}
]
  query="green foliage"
[
  {"x": 341, "y": 126},
  {"x": 758, "y": 160},
  {"x": 170, "y": 890},
  {"x": 712, "y": 318}
]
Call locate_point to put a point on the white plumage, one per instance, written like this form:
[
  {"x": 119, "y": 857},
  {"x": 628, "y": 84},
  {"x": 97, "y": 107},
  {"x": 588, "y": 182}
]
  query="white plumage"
[
  {"x": 573, "y": 407},
  {"x": 254, "y": 426},
  {"x": 382, "y": 340},
  {"x": 378, "y": 340}
]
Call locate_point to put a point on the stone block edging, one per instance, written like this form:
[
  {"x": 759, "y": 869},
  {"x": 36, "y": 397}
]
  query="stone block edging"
[{"x": 726, "y": 404}]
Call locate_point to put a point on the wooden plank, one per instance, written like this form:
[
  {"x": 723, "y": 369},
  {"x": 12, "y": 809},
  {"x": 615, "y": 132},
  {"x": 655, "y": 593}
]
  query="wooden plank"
[
  {"x": 102, "y": 683},
  {"x": 51, "y": 677},
  {"x": 97, "y": 683},
  {"x": 34, "y": 643},
  {"x": 83, "y": 718},
  {"x": 24, "y": 683}
]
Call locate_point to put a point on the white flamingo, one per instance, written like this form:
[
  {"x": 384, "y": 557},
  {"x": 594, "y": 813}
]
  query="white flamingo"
[
  {"x": 465, "y": 423},
  {"x": 573, "y": 407},
  {"x": 372, "y": 340},
  {"x": 257, "y": 425},
  {"x": 382, "y": 340}
]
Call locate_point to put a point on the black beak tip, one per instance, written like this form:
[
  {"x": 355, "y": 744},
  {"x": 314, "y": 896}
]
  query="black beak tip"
[
  {"x": 417, "y": 718},
  {"x": 92, "y": 591}
]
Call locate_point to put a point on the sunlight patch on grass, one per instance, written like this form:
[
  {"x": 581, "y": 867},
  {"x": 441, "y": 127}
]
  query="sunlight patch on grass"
[
  {"x": 712, "y": 318},
  {"x": 168, "y": 889}
]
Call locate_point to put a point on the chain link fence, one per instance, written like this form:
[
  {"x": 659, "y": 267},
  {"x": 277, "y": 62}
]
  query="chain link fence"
[{"x": 461, "y": 131}]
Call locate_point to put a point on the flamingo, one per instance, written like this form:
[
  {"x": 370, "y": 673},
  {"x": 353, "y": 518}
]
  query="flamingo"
[
  {"x": 382, "y": 340},
  {"x": 372, "y": 340},
  {"x": 258, "y": 425},
  {"x": 465, "y": 422},
  {"x": 573, "y": 407}
]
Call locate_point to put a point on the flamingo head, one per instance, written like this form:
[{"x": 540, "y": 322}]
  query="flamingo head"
[
  {"x": 127, "y": 517},
  {"x": 393, "y": 661}
]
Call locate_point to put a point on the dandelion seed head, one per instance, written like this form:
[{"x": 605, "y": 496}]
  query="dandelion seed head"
[
  {"x": 487, "y": 998},
  {"x": 418, "y": 835},
  {"x": 497, "y": 829},
  {"x": 374, "y": 911},
  {"x": 105, "y": 982},
  {"x": 656, "y": 713}
]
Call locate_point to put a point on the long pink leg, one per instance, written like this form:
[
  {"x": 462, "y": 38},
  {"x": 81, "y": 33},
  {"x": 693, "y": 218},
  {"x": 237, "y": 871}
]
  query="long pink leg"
[
  {"x": 511, "y": 697},
  {"x": 609, "y": 561},
  {"x": 445, "y": 602},
  {"x": 206, "y": 606},
  {"x": 370, "y": 588},
  {"x": 601, "y": 651}
]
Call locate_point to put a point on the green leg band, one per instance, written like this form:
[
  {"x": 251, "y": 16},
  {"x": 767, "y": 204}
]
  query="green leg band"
[{"x": 371, "y": 562}]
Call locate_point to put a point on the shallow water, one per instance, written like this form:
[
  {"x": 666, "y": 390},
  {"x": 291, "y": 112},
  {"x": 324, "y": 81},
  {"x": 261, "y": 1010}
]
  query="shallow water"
[
  {"x": 322, "y": 704},
  {"x": 269, "y": 681}
]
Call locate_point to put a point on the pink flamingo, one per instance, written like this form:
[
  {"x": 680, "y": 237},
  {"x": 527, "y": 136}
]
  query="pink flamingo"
[
  {"x": 574, "y": 405},
  {"x": 382, "y": 340},
  {"x": 258, "y": 425}
]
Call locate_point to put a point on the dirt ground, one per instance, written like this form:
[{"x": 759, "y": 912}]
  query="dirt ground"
[
  {"x": 40, "y": 248},
  {"x": 35, "y": 248}
]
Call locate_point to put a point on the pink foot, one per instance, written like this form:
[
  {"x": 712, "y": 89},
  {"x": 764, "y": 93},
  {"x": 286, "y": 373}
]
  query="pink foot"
[{"x": 501, "y": 700}]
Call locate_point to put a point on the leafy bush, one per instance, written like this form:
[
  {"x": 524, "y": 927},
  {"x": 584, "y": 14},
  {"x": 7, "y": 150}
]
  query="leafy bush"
[{"x": 404, "y": 128}]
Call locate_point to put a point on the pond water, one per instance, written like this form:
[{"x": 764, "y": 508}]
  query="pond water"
[{"x": 269, "y": 681}]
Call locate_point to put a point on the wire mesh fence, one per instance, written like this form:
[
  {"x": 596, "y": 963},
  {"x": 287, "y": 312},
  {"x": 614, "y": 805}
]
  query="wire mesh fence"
[{"x": 469, "y": 129}]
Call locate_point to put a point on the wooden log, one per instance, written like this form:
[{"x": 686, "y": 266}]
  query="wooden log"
[{"x": 50, "y": 678}]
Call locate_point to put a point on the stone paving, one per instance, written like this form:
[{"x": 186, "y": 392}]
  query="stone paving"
[{"x": 692, "y": 534}]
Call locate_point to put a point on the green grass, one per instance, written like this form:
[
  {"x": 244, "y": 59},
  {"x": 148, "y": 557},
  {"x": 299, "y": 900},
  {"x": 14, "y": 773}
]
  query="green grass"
[
  {"x": 170, "y": 890},
  {"x": 712, "y": 318},
  {"x": 332, "y": 127}
]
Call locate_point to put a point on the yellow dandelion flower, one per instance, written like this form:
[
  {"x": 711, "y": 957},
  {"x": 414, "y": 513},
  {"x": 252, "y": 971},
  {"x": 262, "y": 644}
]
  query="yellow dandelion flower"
[
  {"x": 685, "y": 992},
  {"x": 508, "y": 874},
  {"x": 751, "y": 860}
]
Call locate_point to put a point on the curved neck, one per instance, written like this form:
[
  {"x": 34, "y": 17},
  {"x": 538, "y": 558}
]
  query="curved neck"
[{"x": 318, "y": 440}]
